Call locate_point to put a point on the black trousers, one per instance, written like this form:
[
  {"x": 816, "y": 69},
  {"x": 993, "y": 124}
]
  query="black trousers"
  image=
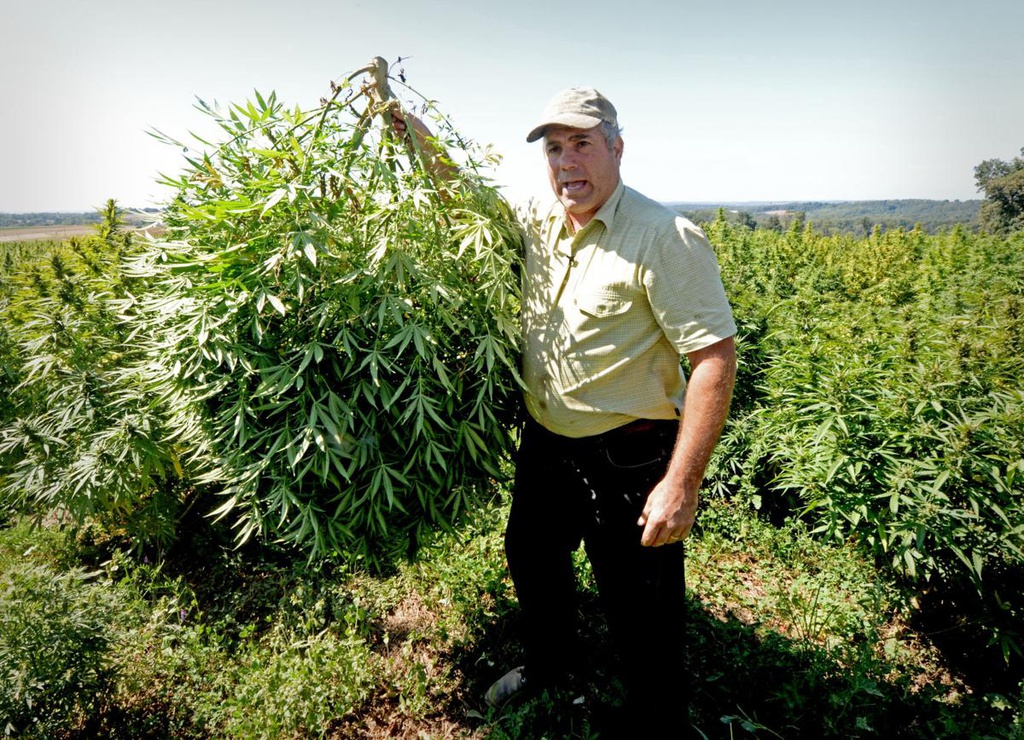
[{"x": 593, "y": 490}]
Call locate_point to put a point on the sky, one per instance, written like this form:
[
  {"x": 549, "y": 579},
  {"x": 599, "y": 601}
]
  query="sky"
[{"x": 729, "y": 101}]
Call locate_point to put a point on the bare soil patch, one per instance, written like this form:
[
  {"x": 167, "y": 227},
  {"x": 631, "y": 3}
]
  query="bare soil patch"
[
  {"x": 35, "y": 233},
  {"x": 62, "y": 232}
]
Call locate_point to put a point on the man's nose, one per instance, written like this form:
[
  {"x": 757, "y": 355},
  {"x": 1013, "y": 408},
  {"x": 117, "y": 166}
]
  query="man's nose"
[{"x": 567, "y": 161}]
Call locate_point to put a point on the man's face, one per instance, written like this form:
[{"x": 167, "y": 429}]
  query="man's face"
[{"x": 582, "y": 170}]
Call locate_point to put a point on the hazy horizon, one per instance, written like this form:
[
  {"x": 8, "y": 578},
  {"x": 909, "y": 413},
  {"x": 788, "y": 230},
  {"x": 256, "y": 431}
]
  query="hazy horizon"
[{"x": 694, "y": 203}]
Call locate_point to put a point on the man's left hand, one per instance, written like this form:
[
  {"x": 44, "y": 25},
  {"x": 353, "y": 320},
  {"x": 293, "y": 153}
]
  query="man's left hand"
[
  {"x": 668, "y": 515},
  {"x": 671, "y": 507}
]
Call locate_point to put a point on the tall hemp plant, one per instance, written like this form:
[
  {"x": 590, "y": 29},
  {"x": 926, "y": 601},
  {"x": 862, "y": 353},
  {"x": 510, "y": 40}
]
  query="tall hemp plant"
[
  {"x": 78, "y": 430},
  {"x": 881, "y": 401},
  {"x": 333, "y": 323}
]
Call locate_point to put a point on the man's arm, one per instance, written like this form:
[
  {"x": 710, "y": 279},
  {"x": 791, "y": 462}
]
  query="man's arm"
[
  {"x": 672, "y": 504},
  {"x": 422, "y": 143}
]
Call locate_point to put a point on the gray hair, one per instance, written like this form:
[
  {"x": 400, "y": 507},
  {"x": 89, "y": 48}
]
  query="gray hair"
[{"x": 611, "y": 132}]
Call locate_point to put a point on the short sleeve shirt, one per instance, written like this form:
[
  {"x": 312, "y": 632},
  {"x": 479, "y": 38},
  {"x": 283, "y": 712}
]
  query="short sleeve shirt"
[{"x": 609, "y": 310}]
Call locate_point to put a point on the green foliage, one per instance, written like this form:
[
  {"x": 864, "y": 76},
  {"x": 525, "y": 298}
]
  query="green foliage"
[
  {"x": 788, "y": 634},
  {"x": 290, "y": 687},
  {"x": 13, "y": 256},
  {"x": 1003, "y": 185},
  {"x": 333, "y": 328},
  {"x": 1004, "y": 206},
  {"x": 79, "y": 430},
  {"x": 326, "y": 336},
  {"x": 54, "y": 648},
  {"x": 794, "y": 636},
  {"x": 882, "y": 400}
]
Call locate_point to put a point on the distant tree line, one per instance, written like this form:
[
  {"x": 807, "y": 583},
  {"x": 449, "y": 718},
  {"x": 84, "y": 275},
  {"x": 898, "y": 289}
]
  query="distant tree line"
[
  {"x": 857, "y": 218},
  {"x": 27, "y": 220},
  {"x": 1001, "y": 212}
]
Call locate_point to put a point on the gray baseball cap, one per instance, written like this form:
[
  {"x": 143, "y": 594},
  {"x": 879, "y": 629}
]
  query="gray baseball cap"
[{"x": 576, "y": 107}]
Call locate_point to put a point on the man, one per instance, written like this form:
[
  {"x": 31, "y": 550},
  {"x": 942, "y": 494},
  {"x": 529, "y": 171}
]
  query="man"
[{"x": 616, "y": 290}]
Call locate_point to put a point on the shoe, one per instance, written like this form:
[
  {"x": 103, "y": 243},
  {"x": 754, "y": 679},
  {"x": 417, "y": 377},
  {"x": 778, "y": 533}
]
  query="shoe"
[{"x": 505, "y": 688}]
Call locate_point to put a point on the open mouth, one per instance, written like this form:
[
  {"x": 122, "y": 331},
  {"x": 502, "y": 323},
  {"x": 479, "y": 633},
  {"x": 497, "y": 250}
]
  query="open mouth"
[{"x": 573, "y": 186}]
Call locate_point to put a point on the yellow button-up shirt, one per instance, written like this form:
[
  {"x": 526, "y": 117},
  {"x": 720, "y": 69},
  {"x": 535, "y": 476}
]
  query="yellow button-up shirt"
[{"x": 608, "y": 311}]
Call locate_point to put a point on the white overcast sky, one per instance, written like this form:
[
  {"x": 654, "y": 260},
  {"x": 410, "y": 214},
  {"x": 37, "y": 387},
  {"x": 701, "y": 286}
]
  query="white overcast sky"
[{"x": 735, "y": 100}]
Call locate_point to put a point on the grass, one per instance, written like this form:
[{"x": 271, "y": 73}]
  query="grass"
[{"x": 789, "y": 637}]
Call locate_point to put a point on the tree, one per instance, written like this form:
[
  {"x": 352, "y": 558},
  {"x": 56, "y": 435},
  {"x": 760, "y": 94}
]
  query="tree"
[{"x": 1003, "y": 185}]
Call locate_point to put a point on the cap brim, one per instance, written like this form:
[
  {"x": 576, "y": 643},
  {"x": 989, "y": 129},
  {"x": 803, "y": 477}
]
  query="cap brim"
[{"x": 572, "y": 120}]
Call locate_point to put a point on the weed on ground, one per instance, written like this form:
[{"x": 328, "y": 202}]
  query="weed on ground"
[{"x": 789, "y": 637}]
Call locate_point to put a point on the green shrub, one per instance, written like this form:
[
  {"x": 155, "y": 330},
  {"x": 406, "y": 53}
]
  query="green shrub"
[
  {"x": 55, "y": 643},
  {"x": 82, "y": 432},
  {"x": 13, "y": 257},
  {"x": 296, "y": 687},
  {"x": 882, "y": 400},
  {"x": 284, "y": 657},
  {"x": 333, "y": 327}
]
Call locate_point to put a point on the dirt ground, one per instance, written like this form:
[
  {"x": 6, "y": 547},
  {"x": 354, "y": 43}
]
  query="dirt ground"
[
  {"x": 58, "y": 233},
  {"x": 34, "y": 233}
]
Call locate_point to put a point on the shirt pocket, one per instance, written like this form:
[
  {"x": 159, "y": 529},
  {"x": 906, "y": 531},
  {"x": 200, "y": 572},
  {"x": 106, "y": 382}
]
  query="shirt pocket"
[{"x": 602, "y": 304}]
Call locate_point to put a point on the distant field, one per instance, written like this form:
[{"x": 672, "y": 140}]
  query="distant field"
[
  {"x": 32, "y": 233},
  {"x": 55, "y": 232}
]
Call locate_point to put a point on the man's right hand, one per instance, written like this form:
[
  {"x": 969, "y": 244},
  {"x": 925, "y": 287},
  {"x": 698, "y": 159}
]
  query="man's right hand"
[
  {"x": 401, "y": 123},
  {"x": 401, "y": 119}
]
